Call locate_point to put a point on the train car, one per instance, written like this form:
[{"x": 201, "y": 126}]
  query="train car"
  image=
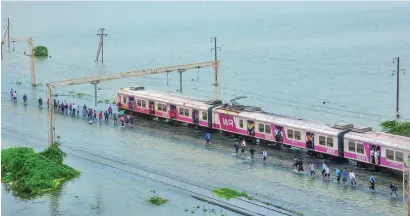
[
  {"x": 305, "y": 134},
  {"x": 393, "y": 150},
  {"x": 339, "y": 140},
  {"x": 167, "y": 106}
]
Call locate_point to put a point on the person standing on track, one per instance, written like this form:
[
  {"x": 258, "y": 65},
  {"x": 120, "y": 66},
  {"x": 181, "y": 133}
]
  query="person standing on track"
[
  {"x": 252, "y": 151},
  {"x": 115, "y": 118},
  {"x": 40, "y": 102},
  {"x": 372, "y": 181},
  {"x": 352, "y": 178},
  {"x": 323, "y": 169},
  {"x": 265, "y": 155},
  {"x": 236, "y": 145},
  {"x": 312, "y": 169},
  {"x": 345, "y": 175},
  {"x": 338, "y": 174},
  {"x": 207, "y": 137},
  {"x": 393, "y": 188},
  {"x": 100, "y": 116},
  {"x": 243, "y": 146},
  {"x": 109, "y": 111}
]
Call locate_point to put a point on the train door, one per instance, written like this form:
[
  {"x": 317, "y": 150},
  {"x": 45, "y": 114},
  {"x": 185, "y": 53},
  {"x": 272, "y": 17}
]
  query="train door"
[
  {"x": 310, "y": 140},
  {"x": 195, "y": 116},
  {"x": 279, "y": 134},
  {"x": 172, "y": 111},
  {"x": 374, "y": 152},
  {"x": 251, "y": 128},
  {"x": 132, "y": 103},
  {"x": 151, "y": 107}
]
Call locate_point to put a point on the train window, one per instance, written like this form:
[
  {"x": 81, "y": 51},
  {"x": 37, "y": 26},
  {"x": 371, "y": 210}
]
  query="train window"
[
  {"x": 297, "y": 135},
  {"x": 399, "y": 156},
  {"x": 261, "y": 127},
  {"x": 267, "y": 129},
  {"x": 204, "y": 116},
  {"x": 322, "y": 140},
  {"x": 360, "y": 148},
  {"x": 241, "y": 123},
  {"x": 144, "y": 103},
  {"x": 124, "y": 99},
  {"x": 352, "y": 146},
  {"x": 139, "y": 102},
  {"x": 389, "y": 154},
  {"x": 329, "y": 141},
  {"x": 186, "y": 112},
  {"x": 290, "y": 134},
  {"x": 162, "y": 107},
  {"x": 181, "y": 111}
]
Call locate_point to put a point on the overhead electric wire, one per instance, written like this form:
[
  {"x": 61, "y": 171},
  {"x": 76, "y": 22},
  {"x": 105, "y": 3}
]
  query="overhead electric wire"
[{"x": 269, "y": 98}]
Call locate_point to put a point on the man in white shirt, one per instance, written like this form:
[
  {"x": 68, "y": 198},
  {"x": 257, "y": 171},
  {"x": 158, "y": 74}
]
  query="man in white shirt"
[
  {"x": 352, "y": 177},
  {"x": 265, "y": 154},
  {"x": 312, "y": 169},
  {"x": 376, "y": 156},
  {"x": 243, "y": 145},
  {"x": 328, "y": 172}
]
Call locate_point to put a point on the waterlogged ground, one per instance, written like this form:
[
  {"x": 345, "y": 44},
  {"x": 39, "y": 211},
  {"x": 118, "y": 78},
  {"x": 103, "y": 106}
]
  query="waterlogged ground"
[{"x": 179, "y": 153}]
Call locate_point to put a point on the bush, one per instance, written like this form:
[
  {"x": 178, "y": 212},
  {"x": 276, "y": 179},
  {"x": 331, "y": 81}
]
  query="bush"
[
  {"x": 40, "y": 51},
  {"x": 230, "y": 193},
  {"x": 32, "y": 173},
  {"x": 396, "y": 127},
  {"x": 157, "y": 200}
]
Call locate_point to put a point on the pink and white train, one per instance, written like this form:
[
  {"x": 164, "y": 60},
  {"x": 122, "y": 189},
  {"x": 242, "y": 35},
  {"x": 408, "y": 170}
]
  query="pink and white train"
[{"x": 339, "y": 140}]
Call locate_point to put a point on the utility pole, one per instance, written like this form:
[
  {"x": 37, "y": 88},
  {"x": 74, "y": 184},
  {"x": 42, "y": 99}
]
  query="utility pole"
[
  {"x": 32, "y": 61},
  {"x": 100, "y": 45},
  {"x": 397, "y": 85},
  {"x": 215, "y": 49},
  {"x": 8, "y": 33}
]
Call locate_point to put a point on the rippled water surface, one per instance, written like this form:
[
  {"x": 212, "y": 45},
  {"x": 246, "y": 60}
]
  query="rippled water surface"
[{"x": 287, "y": 58}]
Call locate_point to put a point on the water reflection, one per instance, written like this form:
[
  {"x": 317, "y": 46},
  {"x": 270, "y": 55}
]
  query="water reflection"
[{"x": 54, "y": 208}]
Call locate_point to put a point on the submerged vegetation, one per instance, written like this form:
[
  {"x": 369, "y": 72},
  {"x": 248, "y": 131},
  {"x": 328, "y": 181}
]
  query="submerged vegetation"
[
  {"x": 79, "y": 94},
  {"x": 396, "y": 127},
  {"x": 30, "y": 173},
  {"x": 40, "y": 51},
  {"x": 228, "y": 193},
  {"x": 157, "y": 200}
]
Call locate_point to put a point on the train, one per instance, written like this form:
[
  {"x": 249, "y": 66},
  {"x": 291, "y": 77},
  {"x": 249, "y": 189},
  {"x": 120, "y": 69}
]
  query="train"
[{"x": 341, "y": 140}]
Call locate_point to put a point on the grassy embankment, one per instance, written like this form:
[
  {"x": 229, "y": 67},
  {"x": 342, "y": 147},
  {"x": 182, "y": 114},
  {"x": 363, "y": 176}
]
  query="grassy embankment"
[{"x": 30, "y": 173}]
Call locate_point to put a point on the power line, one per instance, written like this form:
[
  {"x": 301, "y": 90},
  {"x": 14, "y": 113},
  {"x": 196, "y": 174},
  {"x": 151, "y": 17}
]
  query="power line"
[{"x": 275, "y": 101}]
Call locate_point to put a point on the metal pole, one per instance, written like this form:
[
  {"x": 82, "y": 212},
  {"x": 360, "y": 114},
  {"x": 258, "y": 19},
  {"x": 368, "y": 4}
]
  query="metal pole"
[
  {"x": 398, "y": 88},
  {"x": 102, "y": 46},
  {"x": 51, "y": 128},
  {"x": 216, "y": 59},
  {"x": 8, "y": 32},
  {"x": 180, "y": 82},
  {"x": 32, "y": 64},
  {"x": 95, "y": 94}
]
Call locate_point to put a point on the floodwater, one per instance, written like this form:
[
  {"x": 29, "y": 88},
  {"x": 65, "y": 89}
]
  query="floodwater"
[
  {"x": 176, "y": 152},
  {"x": 334, "y": 52}
]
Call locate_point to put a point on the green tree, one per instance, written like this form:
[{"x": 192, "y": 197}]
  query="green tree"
[
  {"x": 40, "y": 51},
  {"x": 396, "y": 127}
]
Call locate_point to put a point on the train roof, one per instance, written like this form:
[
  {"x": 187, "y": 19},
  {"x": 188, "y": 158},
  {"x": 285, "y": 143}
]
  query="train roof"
[
  {"x": 165, "y": 97},
  {"x": 287, "y": 121},
  {"x": 381, "y": 138}
]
